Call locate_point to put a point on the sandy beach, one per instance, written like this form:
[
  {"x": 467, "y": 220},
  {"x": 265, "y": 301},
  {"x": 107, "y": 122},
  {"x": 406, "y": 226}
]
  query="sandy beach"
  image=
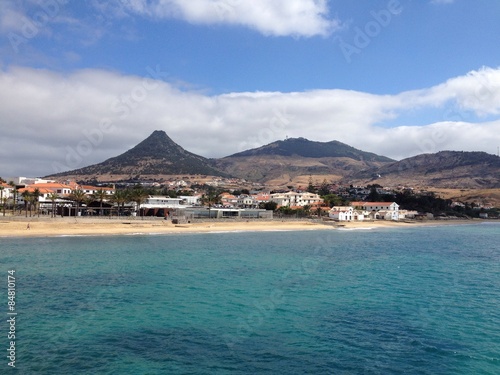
[{"x": 48, "y": 227}]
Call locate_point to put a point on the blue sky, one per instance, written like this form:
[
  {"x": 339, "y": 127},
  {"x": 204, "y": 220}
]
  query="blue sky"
[{"x": 395, "y": 77}]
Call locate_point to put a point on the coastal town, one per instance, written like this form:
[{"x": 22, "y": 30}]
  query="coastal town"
[{"x": 184, "y": 201}]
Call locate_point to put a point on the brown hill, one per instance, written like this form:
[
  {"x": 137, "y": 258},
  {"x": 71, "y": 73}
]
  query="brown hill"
[
  {"x": 445, "y": 169},
  {"x": 157, "y": 155},
  {"x": 295, "y": 159}
]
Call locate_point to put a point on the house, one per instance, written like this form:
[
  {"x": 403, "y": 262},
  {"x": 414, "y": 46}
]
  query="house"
[
  {"x": 162, "y": 206},
  {"x": 341, "y": 213},
  {"x": 246, "y": 201},
  {"x": 407, "y": 214},
  {"x": 190, "y": 200},
  {"x": 346, "y": 213},
  {"x": 60, "y": 189},
  {"x": 228, "y": 200},
  {"x": 155, "y": 201},
  {"x": 295, "y": 199},
  {"x": 20, "y": 181},
  {"x": 379, "y": 210},
  {"x": 261, "y": 197},
  {"x": 5, "y": 191},
  {"x": 89, "y": 190}
]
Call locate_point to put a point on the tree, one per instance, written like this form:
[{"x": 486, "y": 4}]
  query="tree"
[
  {"x": 4, "y": 204},
  {"x": 324, "y": 188},
  {"x": 100, "y": 195},
  {"x": 120, "y": 197},
  {"x": 138, "y": 195},
  {"x": 26, "y": 198},
  {"x": 211, "y": 197},
  {"x": 15, "y": 194},
  {"x": 374, "y": 195},
  {"x": 78, "y": 196},
  {"x": 35, "y": 197},
  {"x": 53, "y": 197},
  {"x": 271, "y": 206},
  {"x": 1, "y": 196},
  {"x": 310, "y": 187},
  {"x": 334, "y": 200}
]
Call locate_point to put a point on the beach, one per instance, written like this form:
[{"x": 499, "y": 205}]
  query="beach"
[{"x": 85, "y": 226}]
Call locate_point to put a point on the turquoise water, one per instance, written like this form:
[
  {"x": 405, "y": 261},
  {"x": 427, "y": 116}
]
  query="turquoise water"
[{"x": 385, "y": 301}]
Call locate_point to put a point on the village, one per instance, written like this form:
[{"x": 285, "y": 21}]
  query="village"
[{"x": 181, "y": 201}]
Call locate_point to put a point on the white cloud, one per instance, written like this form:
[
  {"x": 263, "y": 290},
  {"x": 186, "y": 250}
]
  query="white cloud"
[
  {"x": 50, "y": 121},
  {"x": 278, "y": 17}
]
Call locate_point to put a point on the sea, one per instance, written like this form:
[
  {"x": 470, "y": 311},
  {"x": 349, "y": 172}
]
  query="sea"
[{"x": 412, "y": 300}]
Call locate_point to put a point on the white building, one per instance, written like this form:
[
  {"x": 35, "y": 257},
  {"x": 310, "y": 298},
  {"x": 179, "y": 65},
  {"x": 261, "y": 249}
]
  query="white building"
[
  {"x": 246, "y": 201},
  {"x": 295, "y": 199},
  {"x": 379, "y": 210},
  {"x": 191, "y": 200},
  {"x": 155, "y": 201},
  {"x": 28, "y": 180},
  {"x": 341, "y": 213},
  {"x": 89, "y": 190},
  {"x": 407, "y": 214},
  {"x": 346, "y": 213},
  {"x": 5, "y": 191}
]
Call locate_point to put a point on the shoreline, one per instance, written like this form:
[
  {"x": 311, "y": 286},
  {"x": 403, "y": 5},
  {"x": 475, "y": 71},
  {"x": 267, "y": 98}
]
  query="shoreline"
[{"x": 91, "y": 226}]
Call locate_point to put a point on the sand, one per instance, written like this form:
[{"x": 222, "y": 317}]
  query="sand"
[{"x": 48, "y": 227}]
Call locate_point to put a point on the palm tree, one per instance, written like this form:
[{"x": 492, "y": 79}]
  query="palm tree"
[
  {"x": 27, "y": 199},
  {"x": 77, "y": 195},
  {"x": 120, "y": 197},
  {"x": 138, "y": 195},
  {"x": 35, "y": 196},
  {"x": 1, "y": 196},
  {"x": 53, "y": 197},
  {"x": 100, "y": 195},
  {"x": 4, "y": 203},
  {"x": 14, "y": 192},
  {"x": 212, "y": 197}
]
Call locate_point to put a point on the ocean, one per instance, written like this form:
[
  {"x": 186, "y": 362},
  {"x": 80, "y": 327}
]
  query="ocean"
[{"x": 419, "y": 300}]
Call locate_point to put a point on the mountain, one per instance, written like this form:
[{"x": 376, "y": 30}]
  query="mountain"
[
  {"x": 156, "y": 155},
  {"x": 295, "y": 160},
  {"x": 445, "y": 169},
  {"x": 312, "y": 149}
]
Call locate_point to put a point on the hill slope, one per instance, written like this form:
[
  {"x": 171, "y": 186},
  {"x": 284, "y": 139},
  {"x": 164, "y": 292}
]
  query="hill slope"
[
  {"x": 312, "y": 149},
  {"x": 156, "y": 155},
  {"x": 445, "y": 169},
  {"x": 295, "y": 159}
]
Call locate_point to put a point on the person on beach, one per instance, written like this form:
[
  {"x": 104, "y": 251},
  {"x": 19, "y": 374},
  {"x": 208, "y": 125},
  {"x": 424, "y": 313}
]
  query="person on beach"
[{"x": 28, "y": 226}]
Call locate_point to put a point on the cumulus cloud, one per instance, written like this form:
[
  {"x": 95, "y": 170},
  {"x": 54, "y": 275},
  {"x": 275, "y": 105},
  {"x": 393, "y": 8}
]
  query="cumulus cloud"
[
  {"x": 52, "y": 122},
  {"x": 278, "y": 18}
]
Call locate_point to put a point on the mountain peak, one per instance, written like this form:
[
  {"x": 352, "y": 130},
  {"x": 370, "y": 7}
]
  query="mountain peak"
[
  {"x": 157, "y": 145},
  {"x": 158, "y": 154},
  {"x": 312, "y": 149}
]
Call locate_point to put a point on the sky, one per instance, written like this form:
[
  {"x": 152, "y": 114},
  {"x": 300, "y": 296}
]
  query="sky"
[{"x": 83, "y": 81}]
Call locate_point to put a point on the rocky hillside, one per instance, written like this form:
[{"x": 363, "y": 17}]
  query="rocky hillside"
[
  {"x": 445, "y": 169},
  {"x": 284, "y": 162},
  {"x": 156, "y": 155}
]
